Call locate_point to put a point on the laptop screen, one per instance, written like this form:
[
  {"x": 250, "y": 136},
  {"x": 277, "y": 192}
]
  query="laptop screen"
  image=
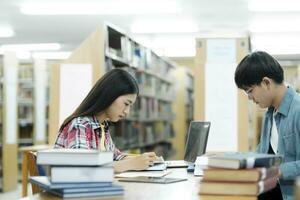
[{"x": 196, "y": 140}]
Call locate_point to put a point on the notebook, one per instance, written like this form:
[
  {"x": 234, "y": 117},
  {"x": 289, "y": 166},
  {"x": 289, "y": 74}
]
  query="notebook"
[
  {"x": 195, "y": 146},
  {"x": 160, "y": 180},
  {"x": 142, "y": 173}
]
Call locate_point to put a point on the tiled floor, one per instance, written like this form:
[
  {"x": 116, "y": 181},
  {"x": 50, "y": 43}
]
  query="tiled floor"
[{"x": 15, "y": 194}]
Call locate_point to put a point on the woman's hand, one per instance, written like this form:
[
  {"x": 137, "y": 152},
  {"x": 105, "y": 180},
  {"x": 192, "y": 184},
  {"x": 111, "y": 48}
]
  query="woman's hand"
[
  {"x": 143, "y": 161},
  {"x": 139, "y": 162}
]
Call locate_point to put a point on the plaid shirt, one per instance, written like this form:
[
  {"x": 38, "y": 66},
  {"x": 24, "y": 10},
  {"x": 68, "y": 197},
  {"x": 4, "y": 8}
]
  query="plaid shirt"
[{"x": 85, "y": 133}]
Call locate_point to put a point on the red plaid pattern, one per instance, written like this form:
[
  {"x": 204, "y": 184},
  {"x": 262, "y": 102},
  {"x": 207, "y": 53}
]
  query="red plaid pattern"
[{"x": 85, "y": 133}]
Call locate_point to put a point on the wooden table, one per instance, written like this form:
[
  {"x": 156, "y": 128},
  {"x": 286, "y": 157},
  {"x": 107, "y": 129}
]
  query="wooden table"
[{"x": 185, "y": 190}]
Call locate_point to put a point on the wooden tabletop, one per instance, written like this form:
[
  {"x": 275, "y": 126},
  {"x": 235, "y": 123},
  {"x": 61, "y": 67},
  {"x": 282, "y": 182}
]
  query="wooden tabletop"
[{"x": 148, "y": 191}]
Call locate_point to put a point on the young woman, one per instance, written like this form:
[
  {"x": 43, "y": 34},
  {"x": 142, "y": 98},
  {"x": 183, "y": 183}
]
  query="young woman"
[{"x": 87, "y": 128}]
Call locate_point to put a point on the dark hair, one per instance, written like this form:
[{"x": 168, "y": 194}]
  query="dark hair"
[
  {"x": 109, "y": 87},
  {"x": 254, "y": 67}
]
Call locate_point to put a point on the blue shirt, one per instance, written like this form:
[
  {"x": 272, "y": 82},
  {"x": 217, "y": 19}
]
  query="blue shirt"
[{"x": 288, "y": 125}]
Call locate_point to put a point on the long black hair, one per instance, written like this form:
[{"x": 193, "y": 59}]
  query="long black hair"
[{"x": 108, "y": 88}]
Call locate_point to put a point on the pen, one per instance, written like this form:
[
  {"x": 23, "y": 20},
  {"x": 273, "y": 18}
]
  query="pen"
[{"x": 132, "y": 154}]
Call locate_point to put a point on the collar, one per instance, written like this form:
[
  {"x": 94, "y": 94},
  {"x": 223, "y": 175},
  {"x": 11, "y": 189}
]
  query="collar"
[
  {"x": 96, "y": 124},
  {"x": 286, "y": 101}
]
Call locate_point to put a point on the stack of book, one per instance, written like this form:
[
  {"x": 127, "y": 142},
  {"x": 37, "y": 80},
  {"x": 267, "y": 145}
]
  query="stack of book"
[
  {"x": 240, "y": 174},
  {"x": 77, "y": 173}
]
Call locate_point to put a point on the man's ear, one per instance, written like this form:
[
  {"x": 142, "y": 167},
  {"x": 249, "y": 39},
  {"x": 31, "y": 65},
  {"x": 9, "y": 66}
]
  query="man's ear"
[{"x": 266, "y": 81}]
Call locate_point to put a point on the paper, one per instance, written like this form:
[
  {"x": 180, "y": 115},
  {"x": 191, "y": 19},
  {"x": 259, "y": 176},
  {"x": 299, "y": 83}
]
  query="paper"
[
  {"x": 221, "y": 107},
  {"x": 157, "y": 167},
  {"x": 221, "y": 50},
  {"x": 142, "y": 173},
  {"x": 159, "y": 160},
  {"x": 221, "y": 95},
  {"x": 200, "y": 163}
]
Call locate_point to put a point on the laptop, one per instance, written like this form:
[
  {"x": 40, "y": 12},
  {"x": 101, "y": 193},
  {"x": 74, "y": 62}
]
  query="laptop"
[{"x": 195, "y": 145}]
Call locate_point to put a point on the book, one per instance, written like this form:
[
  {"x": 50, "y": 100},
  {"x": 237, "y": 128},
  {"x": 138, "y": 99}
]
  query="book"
[
  {"x": 44, "y": 180},
  {"x": 237, "y": 188},
  {"x": 78, "y": 192},
  {"x": 87, "y": 194},
  {"x": 227, "y": 197},
  {"x": 83, "y": 174},
  {"x": 241, "y": 175},
  {"x": 79, "y": 157},
  {"x": 243, "y": 160}
]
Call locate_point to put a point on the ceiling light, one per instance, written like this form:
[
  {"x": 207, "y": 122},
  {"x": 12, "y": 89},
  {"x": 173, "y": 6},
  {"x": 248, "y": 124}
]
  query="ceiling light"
[
  {"x": 30, "y": 47},
  {"x": 274, "y": 25},
  {"x": 278, "y": 44},
  {"x": 274, "y": 5},
  {"x": 176, "y": 26},
  {"x": 112, "y": 7},
  {"x": 6, "y": 32},
  {"x": 59, "y": 55},
  {"x": 171, "y": 46}
]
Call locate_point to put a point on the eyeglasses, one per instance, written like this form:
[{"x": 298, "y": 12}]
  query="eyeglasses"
[{"x": 249, "y": 92}]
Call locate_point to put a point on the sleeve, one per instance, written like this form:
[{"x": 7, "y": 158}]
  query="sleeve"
[
  {"x": 118, "y": 155},
  {"x": 290, "y": 170}
]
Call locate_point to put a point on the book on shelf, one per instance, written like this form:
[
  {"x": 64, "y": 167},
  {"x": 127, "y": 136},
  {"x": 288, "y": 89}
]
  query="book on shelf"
[
  {"x": 78, "y": 191},
  {"x": 237, "y": 188},
  {"x": 83, "y": 174},
  {"x": 240, "y": 175},
  {"x": 239, "y": 160},
  {"x": 79, "y": 157}
]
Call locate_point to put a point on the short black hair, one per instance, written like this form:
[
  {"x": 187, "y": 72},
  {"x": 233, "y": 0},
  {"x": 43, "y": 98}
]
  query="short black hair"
[{"x": 254, "y": 67}]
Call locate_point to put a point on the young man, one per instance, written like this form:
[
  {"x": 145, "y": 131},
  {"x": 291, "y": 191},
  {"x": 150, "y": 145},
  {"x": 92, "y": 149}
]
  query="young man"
[{"x": 261, "y": 77}]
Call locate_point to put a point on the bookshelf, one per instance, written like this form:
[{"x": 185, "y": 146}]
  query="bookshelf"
[
  {"x": 150, "y": 122},
  {"x": 189, "y": 96},
  {"x": 25, "y": 104},
  {"x": 217, "y": 99},
  {"x": 8, "y": 121},
  {"x": 32, "y": 105},
  {"x": 25, "y": 109}
]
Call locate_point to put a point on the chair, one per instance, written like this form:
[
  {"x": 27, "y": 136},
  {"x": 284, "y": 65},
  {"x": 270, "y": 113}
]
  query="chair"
[
  {"x": 33, "y": 170},
  {"x": 29, "y": 166}
]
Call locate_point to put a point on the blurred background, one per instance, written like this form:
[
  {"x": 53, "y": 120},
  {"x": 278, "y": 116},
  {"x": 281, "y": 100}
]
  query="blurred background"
[{"x": 182, "y": 52}]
